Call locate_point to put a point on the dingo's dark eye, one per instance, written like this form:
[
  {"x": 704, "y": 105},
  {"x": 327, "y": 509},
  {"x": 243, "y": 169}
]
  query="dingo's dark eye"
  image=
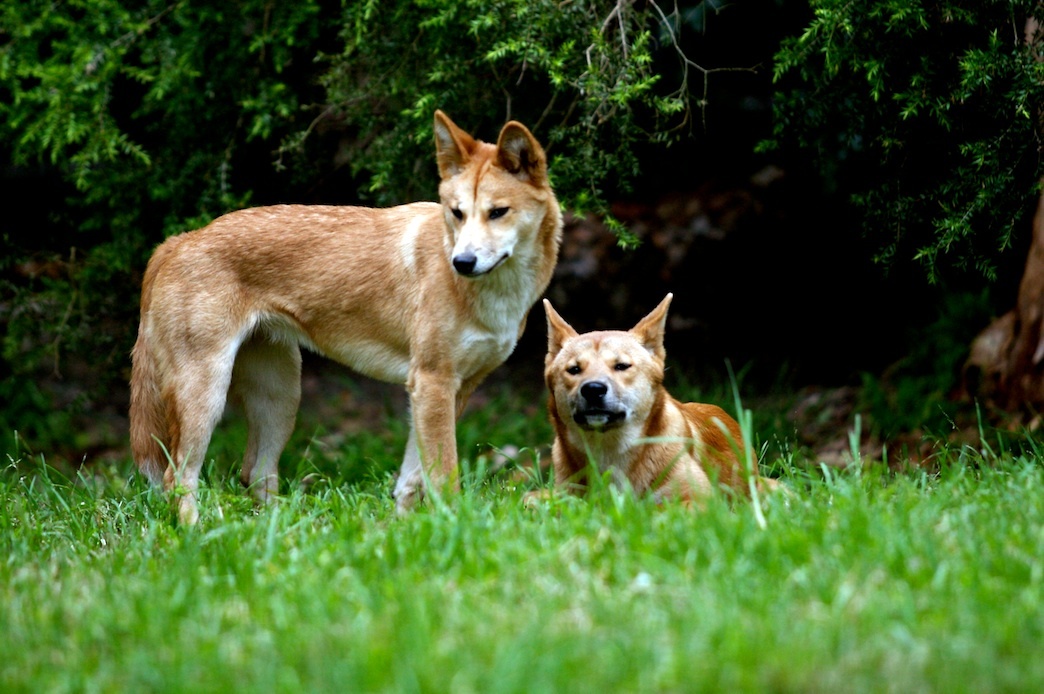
[
  {"x": 574, "y": 369},
  {"x": 457, "y": 213},
  {"x": 622, "y": 366},
  {"x": 497, "y": 212}
]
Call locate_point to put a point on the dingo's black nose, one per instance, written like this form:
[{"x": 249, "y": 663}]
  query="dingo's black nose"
[
  {"x": 593, "y": 391},
  {"x": 464, "y": 263}
]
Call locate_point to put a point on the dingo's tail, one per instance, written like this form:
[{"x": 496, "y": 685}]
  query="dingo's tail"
[
  {"x": 150, "y": 429},
  {"x": 148, "y": 413}
]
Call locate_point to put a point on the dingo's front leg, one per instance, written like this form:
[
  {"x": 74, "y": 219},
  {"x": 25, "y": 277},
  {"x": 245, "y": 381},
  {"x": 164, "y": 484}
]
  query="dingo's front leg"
[
  {"x": 431, "y": 452},
  {"x": 410, "y": 485}
]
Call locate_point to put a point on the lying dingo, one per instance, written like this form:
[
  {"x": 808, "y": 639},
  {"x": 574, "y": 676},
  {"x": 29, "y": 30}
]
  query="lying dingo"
[
  {"x": 609, "y": 408},
  {"x": 430, "y": 295}
]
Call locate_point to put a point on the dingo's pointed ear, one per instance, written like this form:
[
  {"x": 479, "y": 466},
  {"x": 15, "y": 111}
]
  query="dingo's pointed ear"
[
  {"x": 520, "y": 154},
  {"x": 558, "y": 331},
  {"x": 650, "y": 330},
  {"x": 453, "y": 146}
]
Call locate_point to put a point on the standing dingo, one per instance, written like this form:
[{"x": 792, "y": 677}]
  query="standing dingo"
[{"x": 433, "y": 296}]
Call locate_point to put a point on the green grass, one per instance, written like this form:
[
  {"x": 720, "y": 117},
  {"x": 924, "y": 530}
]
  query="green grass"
[{"x": 862, "y": 580}]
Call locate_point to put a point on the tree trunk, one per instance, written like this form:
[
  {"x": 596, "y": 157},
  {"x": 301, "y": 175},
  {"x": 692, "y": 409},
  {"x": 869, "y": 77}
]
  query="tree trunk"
[{"x": 1005, "y": 366}]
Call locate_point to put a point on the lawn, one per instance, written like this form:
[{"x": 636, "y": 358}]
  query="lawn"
[{"x": 860, "y": 580}]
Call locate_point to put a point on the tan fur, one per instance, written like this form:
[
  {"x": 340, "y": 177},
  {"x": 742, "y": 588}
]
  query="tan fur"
[
  {"x": 430, "y": 295},
  {"x": 696, "y": 446}
]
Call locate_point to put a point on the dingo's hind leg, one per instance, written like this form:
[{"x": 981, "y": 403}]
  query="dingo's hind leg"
[
  {"x": 266, "y": 381},
  {"x": 198, "y": 393}
]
